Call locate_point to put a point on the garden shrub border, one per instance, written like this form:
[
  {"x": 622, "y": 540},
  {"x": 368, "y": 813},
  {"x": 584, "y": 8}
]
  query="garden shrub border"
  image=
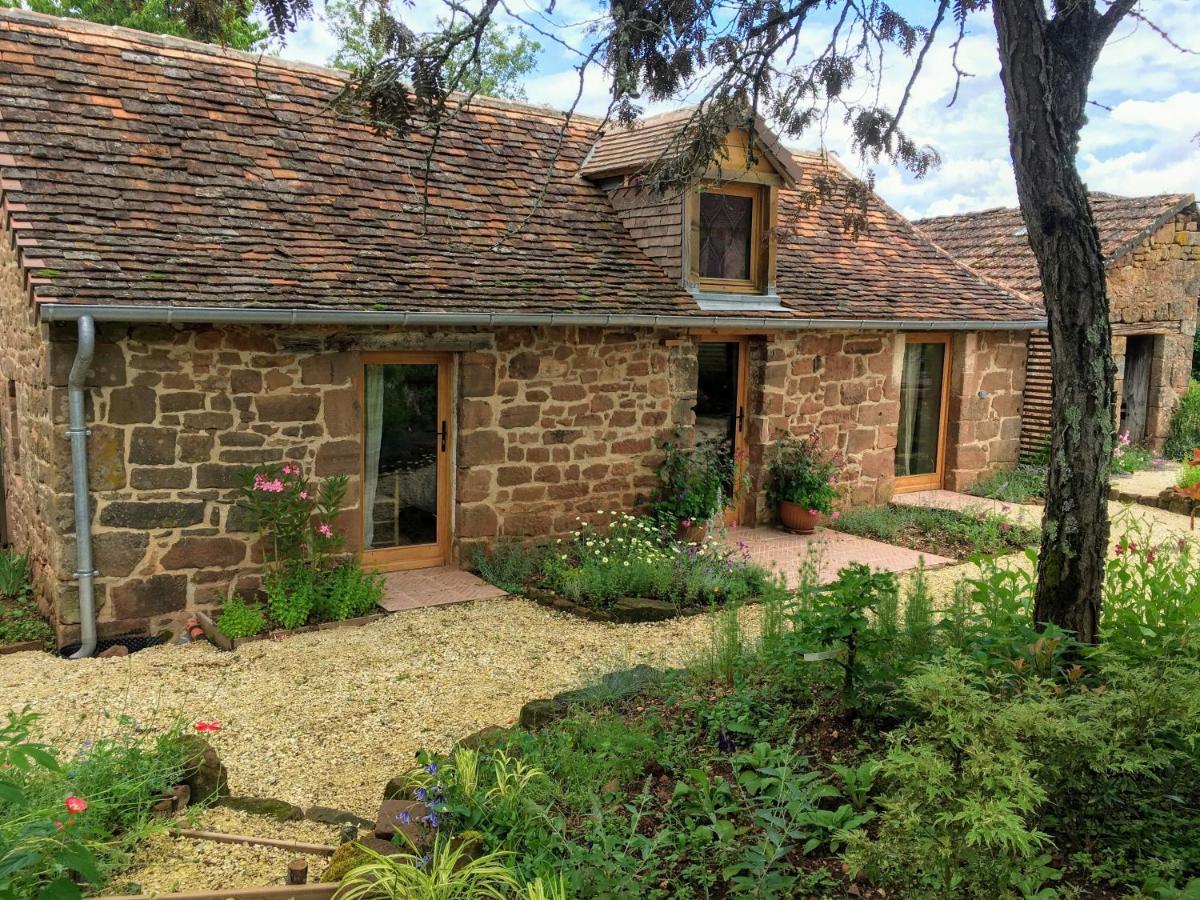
[{"x": 624, "y": 611}]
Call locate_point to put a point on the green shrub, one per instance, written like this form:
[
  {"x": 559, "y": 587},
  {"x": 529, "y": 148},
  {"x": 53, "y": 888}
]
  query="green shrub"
[
  {"x": 509, "y": 564},
  {"x": 68, "y": 821},
  {"x": 1184, "y": 435},
  {"x": 1189, "y": 475},
  {"x": 293, "y": 593},
  {"x": 14, "y": 575},
  {"x": 347, "y": 592},
  {"x": 298, "y": 594},
  {"x": 961, "y": 793},
  {"x": 20, "y": 618},
  {"x": 240, "y": 619},
  {"x": 1025, "y": 483},
  {"x": 946, "y": 532},
  {"x": 1151, "y": 605},
  {"x": 694, "y": 483},
  {"x": 799, "y": 472}
]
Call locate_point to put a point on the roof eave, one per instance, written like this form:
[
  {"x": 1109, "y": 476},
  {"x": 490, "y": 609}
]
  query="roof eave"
[{"x": 60, "y": 312}]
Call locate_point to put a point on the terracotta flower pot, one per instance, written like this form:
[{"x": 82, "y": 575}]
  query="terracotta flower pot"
[
  {"x": 696, "y": 533},
  {"x": 797, "y": 519}
]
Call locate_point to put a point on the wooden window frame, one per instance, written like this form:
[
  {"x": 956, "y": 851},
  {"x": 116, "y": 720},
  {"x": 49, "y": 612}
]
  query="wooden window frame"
[
  {"x": 756, "y": 283},
  {"x": 932, "y": 481},
  {"x": 416, "y": 556}
]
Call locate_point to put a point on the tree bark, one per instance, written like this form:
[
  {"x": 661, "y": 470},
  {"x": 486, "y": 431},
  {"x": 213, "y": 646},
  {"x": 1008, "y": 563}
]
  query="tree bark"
[{"x": 1045, "y": 67}]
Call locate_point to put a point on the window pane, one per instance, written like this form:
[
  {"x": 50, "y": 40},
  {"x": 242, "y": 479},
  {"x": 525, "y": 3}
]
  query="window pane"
[
  {"x": 726, "y": 227},
  {"x": 401, "y": 484},
  {"x": 920, "y": 409}
]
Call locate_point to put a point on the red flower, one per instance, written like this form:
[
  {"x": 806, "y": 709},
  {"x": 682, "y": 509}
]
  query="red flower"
[
  {"x": 76, "y": 804},
  {"x": 58, "y": 824},
  {"x": 208, "y": 726}
]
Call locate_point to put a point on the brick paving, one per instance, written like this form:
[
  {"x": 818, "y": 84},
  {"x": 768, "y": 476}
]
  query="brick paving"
[
  {"x": 440, "y": 586},
  {"x": 786, "y": 553}
]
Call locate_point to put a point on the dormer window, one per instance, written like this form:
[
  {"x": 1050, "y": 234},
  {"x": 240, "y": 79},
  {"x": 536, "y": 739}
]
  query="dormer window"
[{"x": 727, "y": 229}]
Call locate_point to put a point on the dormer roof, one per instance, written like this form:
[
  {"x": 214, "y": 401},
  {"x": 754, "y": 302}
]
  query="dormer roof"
[{"x": 647, "y": 144}]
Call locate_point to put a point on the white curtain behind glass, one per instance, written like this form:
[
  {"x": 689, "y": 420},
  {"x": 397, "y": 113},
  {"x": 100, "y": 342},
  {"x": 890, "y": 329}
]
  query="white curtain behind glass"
[
  {"x": 910, "y": 394},
  {"x": 374, "y": 436}
]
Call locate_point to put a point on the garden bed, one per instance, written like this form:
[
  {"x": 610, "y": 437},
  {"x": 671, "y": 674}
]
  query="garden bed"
[
  {"x": 625, "y": 569},
  {"x": 221, "y": 640},
  {"x": 623, "y": 611},
  {"x": 957, "y": 534},
  {"x": 756, "y": 772}
]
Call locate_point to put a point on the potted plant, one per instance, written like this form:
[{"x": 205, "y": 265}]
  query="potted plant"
[
  {"x": 802, "y": 483},
  {"x": 691, "y": 488}
]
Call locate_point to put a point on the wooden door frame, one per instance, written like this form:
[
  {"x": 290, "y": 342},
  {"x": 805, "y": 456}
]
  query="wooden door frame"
[
  {"x": 733, "y": 512},
  {"x": 905, "y": 484},
  {"x": 420, "y": 556}
]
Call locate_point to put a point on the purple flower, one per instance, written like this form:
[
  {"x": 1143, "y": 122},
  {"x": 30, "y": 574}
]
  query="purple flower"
[
  {"x": 404, "y": 818},
  {"x": 432, "y": 768},
  {"x": 432, "y": 820},
  {"x": 424, "y": 861},
  {"x": 422, "y": 794}
]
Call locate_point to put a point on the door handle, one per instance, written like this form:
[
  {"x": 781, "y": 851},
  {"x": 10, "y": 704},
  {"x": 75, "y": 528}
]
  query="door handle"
[
  {"x": 741, "y": 419},
  {"x": 442, "y": 434}
]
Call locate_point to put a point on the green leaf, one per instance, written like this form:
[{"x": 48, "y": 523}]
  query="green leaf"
[
  {"x": 79, "y": 859},
  {"x": 60, "y": 889},
  {"x": 10, "y": 792}
]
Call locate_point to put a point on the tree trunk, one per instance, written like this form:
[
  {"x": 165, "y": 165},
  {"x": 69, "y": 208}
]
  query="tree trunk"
[{"x": 1045, "y": 67}]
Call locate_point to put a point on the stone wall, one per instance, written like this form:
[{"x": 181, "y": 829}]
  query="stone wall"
[
  {"x": 31, "y": 519},
  {"x": 840, "y": 386},
  {"x": 550, "y": 424},
  {"x": 1152, "y": 290},
  {"x": 556, "y": 423},
  {"x": 986, "y": 388}
]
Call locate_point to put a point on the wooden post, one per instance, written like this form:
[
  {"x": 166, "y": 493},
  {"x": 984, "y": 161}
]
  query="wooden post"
[{"x": 297, "y": 872}]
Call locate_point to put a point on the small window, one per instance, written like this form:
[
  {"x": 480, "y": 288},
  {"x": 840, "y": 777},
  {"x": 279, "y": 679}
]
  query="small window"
[{"x": 728, "y": 232}]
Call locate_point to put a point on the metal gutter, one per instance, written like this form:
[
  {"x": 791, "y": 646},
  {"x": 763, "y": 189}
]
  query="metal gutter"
[
  {"x": 78, "y": 432},
  {"x": 63, "y": 312}
]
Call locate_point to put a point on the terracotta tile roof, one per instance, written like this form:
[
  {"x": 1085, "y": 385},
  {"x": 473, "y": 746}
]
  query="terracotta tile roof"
[
  {"x": 891, "y": 270},
  {"x": 994, "y": 242},
  {"x": 154, "y": 170},
  {"x": 139, "y": 169}
]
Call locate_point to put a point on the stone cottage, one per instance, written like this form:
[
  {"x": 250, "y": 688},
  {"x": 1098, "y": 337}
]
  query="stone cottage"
[
  {"x": 203, "y": 269},
  {"x": 1152, "y": 252}
]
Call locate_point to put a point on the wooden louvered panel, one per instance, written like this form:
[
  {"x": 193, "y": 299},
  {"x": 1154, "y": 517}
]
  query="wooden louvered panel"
[{"x": 1035, "y": 412}]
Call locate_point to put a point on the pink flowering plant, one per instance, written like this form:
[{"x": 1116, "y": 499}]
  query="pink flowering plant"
[
  {"x": 305, "y": 581},
  {"x": 1128, "y": 457},
  {"x": 294, "y": 517},
  {"x": 800, "y": 472}
]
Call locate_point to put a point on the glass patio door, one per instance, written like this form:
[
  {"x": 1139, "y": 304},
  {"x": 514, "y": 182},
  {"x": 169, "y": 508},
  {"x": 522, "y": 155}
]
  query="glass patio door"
[
  {"x": 721, "y": 405},
  {"x": 921, "y": 438},
  {"x": 406, "y": 461}
]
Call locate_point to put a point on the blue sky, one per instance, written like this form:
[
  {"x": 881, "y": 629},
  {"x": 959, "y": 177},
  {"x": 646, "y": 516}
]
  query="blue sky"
[{"x": 1147, "y": 140}]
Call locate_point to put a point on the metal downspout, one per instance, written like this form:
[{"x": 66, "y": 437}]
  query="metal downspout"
[{"x": 78, "y": 431}]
